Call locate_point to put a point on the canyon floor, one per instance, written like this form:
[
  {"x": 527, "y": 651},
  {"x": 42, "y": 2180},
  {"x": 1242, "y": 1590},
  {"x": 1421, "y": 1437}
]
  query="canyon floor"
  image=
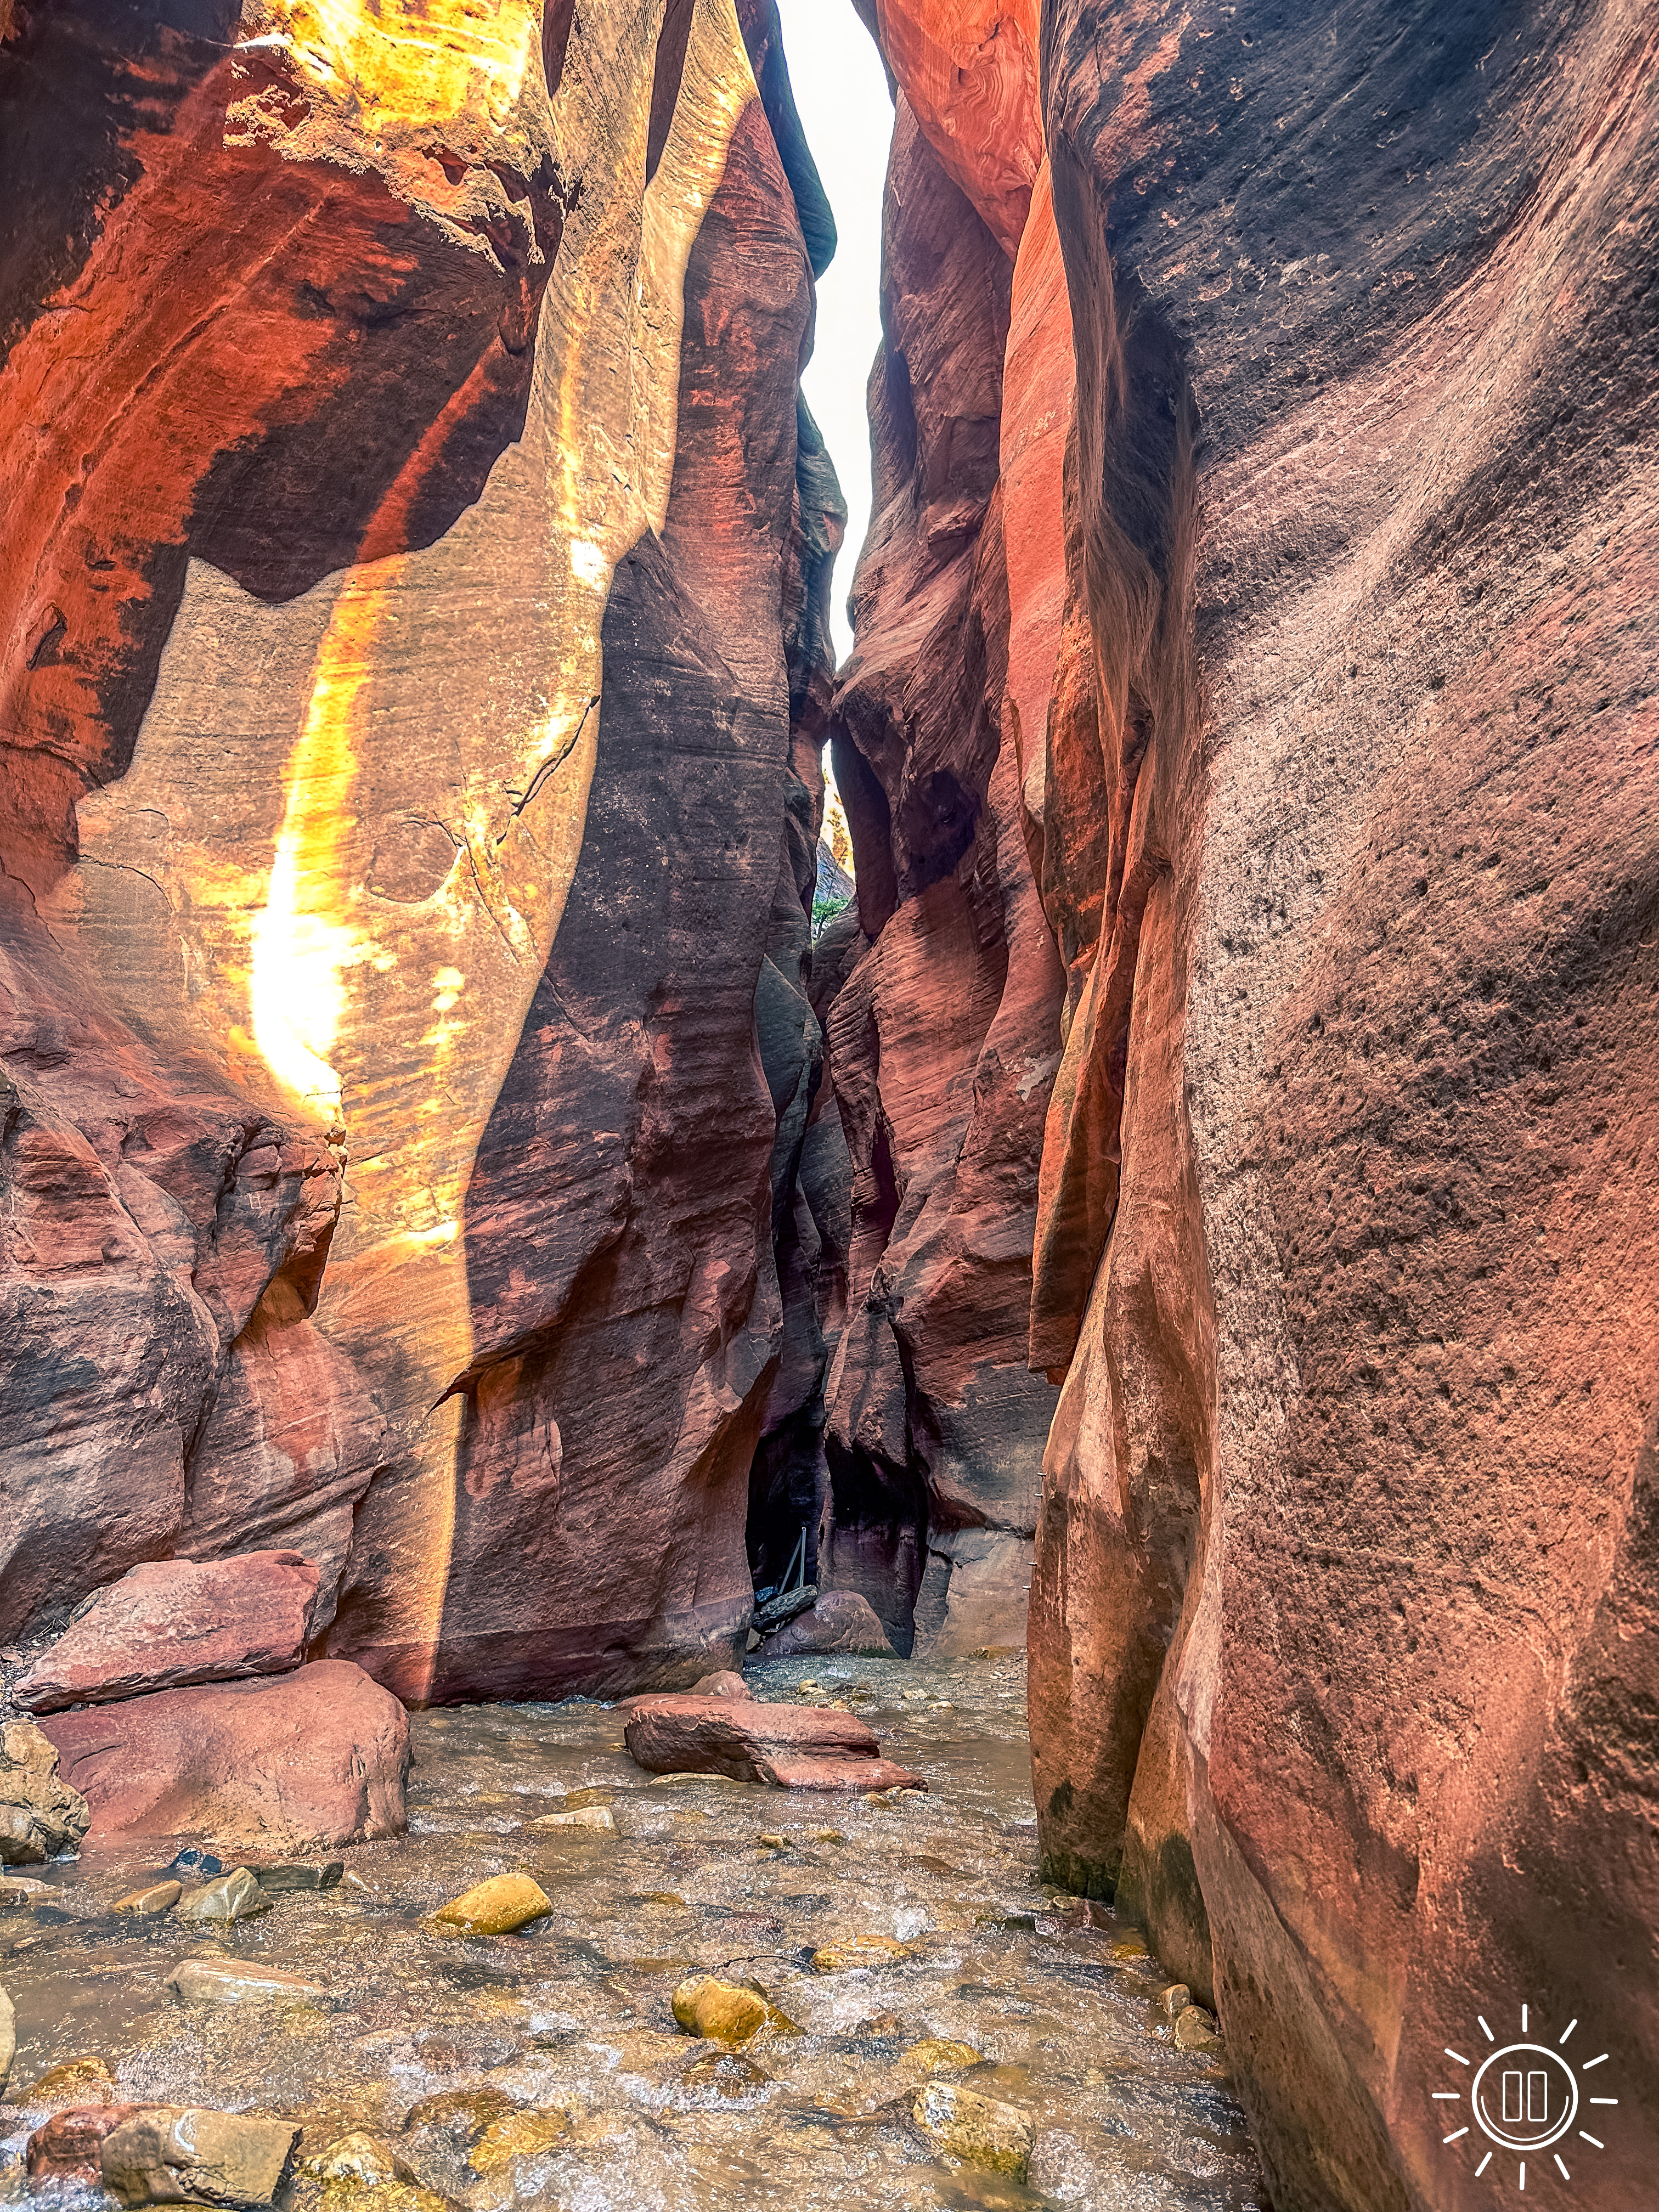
[{"x": 571, "y": 2019}]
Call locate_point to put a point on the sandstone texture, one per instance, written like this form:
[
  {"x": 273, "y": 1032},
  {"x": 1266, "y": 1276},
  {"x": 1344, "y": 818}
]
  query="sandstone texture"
[
  {"x": 163, "y": 1626},
  {"x": 414, "y": 666},
  {"x": 306, "y": 1760},
  {"x": 1319, "y": 636},
  {"x": 163, "y": 2154},
  {"x": 69, "y": 2146}
]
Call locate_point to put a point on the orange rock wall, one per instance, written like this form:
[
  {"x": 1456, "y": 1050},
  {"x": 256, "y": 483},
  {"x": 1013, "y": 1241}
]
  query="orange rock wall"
[
  {"x": 1328, "y": 508},
  {"x": 417, "y": 533}
]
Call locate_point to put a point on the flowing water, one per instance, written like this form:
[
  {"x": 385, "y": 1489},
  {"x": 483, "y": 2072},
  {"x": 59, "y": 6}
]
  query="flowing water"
[{"x": 572, "y": 2016}]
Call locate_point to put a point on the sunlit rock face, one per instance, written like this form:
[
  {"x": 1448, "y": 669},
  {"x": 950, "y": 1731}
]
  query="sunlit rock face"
[
  {"x": 1329, "y": 640},
  {"x": 417, "y": 557}
]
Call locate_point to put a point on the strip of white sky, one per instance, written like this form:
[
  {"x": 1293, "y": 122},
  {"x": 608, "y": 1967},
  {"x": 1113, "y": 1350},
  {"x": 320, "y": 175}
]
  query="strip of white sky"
[{"x": 840, "y": 90}]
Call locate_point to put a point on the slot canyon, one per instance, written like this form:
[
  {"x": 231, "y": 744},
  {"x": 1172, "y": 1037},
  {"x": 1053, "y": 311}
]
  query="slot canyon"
[{"x": 955, "y": 1338}]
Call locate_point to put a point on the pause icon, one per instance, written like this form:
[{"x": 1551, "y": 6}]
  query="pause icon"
[{"x": 1526, "y": 2097}]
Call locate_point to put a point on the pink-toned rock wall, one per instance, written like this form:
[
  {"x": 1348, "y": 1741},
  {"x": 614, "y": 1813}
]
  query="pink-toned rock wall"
[
  {"x": 1331, "y": 634},
  {"x": 417, "y": 665}
]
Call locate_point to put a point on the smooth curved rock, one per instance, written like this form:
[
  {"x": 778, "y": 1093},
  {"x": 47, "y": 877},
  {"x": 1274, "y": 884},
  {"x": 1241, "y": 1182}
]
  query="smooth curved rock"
[
  {"x": 307, "y": 1760},
  {"x": 176, "y": 1622},
  {"x": 840, "y": 1621}
]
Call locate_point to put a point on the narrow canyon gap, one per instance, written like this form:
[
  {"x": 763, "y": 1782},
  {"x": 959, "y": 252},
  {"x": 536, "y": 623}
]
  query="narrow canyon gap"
[{"x": 1189, "y": 1218}]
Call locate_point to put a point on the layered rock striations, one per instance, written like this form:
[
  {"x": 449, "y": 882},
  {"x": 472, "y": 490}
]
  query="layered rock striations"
[
  {"x": 1326, "y": 505},
  {"x": 416, "y": 667}
]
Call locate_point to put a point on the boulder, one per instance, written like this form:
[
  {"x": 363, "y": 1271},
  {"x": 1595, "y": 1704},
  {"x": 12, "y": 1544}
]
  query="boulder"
[
  {"x": 175, "y": 1622},
  {"x": 788, "y": 1746},
  {"x": 164, "y": 2155},
  {"x": 312, "y": 1760},
  {"x": 840, "y": 1620},
  {"x": 41, "y": 1817}
]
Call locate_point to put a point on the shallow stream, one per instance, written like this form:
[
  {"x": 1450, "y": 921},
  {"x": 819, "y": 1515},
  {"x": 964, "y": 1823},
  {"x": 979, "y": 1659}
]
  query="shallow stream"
[{"x": 572, "y": 2016}]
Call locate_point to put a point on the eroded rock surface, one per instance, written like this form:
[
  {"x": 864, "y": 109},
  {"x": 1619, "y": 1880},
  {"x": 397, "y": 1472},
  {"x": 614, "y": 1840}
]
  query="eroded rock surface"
[
  {"x": 416, "y": 664},
  {"x": 163, "y": 1626},
  {"x": 312, "y": 1759},
  {"x": 1328, "y": 512}
]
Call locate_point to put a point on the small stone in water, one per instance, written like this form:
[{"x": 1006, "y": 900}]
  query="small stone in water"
[
  {"x": 725, "y": 2074},
  {"x": 774, "y": 1843},
  {"x": 235, "y": 1981},
  {"x": 22, "y": 1889},
  {"x": 726, "y": 1684},
  {"x": 1195, "y": 2030},
  {"x": 149, "y": 1903},
  {"x": 355, "y": 2157},
  {"x": 1129, "y": 1947},
  {"x": 78, "y": 2081},
  {"x": 725, "y": 2011},
  {"x": 937, "y": 2055},
  {"x": 828, "y": 1836},
  {"x": 979, "y": 2130},
  {"x": 234, "y": 1896},
  {"x": 298, "y": 1874},
  {"x": 497, "y": 1907},
  {"x": 516, "y": 2135},
  {"x": 193, "y": 1865},
  {"x": 582, "y": 1816},
  {"x": 855, "y": 1951},
  {"x": 1174, "y": 2000}
]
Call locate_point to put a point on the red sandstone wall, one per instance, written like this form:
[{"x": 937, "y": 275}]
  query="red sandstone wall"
[
  {"x": 416, "y": 667},
  {"x": 1331, "y": 634}
]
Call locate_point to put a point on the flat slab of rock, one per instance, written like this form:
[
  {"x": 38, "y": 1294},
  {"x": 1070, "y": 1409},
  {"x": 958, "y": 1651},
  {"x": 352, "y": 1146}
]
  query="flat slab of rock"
[
  {"x": 788, "y": 1746},
  {"x": 176, "y": 1622},
  {"x": 839, "y": 1774},
  {"x": 239, "y": 1981},
  {"x": 302, "y": 1763}
]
